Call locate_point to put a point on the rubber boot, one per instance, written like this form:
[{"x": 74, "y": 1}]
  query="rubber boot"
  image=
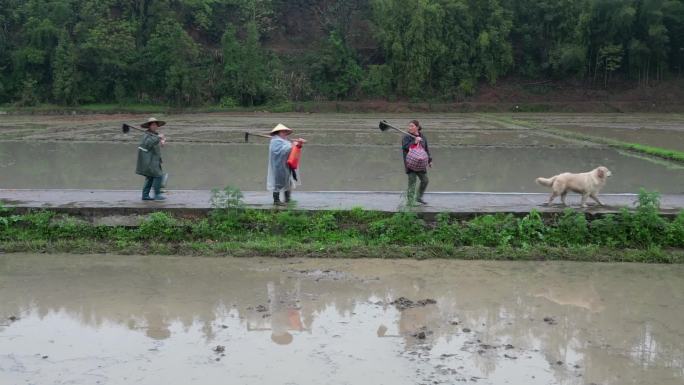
[
  {"x": 156, "y": 185},
  {"x": 287, "y": 196},
  {"x": 146, "y": 189},
  {"x": 276, "y": 199}
]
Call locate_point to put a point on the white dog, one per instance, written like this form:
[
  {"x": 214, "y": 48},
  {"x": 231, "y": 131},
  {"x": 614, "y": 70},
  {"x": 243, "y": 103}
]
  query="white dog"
[{"x": 587, "y": 183}]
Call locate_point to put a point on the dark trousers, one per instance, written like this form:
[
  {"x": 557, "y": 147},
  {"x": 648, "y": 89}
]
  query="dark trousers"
[
  {"x": 276, "y": 196},
  {"x": 412, "y": 175},
  {"x": 152, "y": 182}
]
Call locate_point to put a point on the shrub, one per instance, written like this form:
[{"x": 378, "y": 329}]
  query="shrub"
[
  {"x": 401, "y": 228},
  {"x": 675, "y": 231},
  {"x": 571, "y": 229},
  {"x": 531, "y": 230},
  {"x": 645, "y": 227},
  {"x": 161, "y": 226},
  {"x": 447, "y": 232},
  {"x": 606, "y": 231},
  {"x": 291, "y": 223},
  {"x": 490, "y": 230}
]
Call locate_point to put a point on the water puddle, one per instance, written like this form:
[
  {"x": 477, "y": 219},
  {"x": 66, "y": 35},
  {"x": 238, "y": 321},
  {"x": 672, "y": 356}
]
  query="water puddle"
[{"x": 181, "y": 320}]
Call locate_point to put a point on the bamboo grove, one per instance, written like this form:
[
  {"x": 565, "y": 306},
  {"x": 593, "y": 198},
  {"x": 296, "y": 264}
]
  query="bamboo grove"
[{"x": 255, "y": 52}]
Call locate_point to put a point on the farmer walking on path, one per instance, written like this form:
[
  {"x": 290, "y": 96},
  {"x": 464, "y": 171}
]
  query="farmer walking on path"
[
  {"x": 281, "y": 175},
  {"x": 149, "y": 159},
  {"x": 417, "y": 159}
]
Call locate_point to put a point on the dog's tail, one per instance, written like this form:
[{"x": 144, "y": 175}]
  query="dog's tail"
[{"x": 545, "y": 182}]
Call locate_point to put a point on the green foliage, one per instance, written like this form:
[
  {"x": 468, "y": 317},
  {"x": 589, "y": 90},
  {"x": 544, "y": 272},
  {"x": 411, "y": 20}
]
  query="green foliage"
[
  {"x": 248, "y": 69},
  {"x": 173, "y": 55},
  {"x": 230, "y": 198},
  {"x": 645, "y": 228},
  {"x": 7, "y": 219},
  {"x": 400, "y": 228},
  {"x": 336, "y": 72},
  {"x": 161, "y": 226},
  {"x": 227, "y": 215},
  {"x": 571, "y": 229},
  {"x": 446, "y": 231},
  {"x": 637, "y": 235},
  {"x": 377, "y": 81},
  {"x": 545, "y": 32},
  {"x": 491, "y": 231},
  {"x": 260, "y": 52},
  {"x": 531, "y": 230},
  {"x": 675, "y": 232},
  {"x": 567, "y": 59},
  {"x": 642, "y": 228},
  {"x": 64, "y": 72}
]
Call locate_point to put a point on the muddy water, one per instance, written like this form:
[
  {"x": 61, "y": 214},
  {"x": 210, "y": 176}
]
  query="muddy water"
[
  {"x": 660, "y": 130},
  {"x": 473, "y": 152},
  {"x": 154, "y": 320},
  {"x": 343, "y": 167},
  {"x": 669, "y": 139}
]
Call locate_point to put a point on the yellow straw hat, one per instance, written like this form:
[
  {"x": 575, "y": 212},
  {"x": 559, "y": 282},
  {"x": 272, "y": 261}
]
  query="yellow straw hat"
[
  {"x": 280, "y": 127},
  {"x": 152, "y": 120}
]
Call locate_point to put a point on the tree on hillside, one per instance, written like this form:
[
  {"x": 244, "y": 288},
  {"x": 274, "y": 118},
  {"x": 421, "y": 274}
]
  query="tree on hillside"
[
  {"x": 543, "y": 36},
  {"x": 246, "y": 67},
  {"x": 650, "y": 41},
  {"x": 605, "y": 25},
  {"x": 493, "y": 50},
  {"x": 443, "y": 45},
  {"x": 674, "y": 22},
  {"x": 65, "y": 86},
  {"x": 7, "y": 34},
  {"x": 32, "y": 61},
  {"x": 109, "y": 57},
  {"x": 410, "y": 33},
  {"x": 170, "y": 60},
  {"x": 336, "y": 71}
]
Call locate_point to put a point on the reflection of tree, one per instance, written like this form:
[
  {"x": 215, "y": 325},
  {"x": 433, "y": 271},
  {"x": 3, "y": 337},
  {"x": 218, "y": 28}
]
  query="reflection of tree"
[{"x": 606, "y": 326}]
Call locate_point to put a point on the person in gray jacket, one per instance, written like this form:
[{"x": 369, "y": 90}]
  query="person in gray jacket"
[{"x": 149, "y": 162}]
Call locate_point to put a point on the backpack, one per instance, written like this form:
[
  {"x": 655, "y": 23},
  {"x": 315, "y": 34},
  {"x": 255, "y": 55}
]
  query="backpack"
[{"x": 417, "y": 158}]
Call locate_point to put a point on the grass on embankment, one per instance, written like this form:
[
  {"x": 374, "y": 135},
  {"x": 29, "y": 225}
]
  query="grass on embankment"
[
  {"x": 635, "y": 236},
  {"x": 663, "y": 153}
]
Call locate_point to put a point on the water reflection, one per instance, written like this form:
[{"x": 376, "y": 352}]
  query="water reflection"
[{"x": 491, "y": 323}]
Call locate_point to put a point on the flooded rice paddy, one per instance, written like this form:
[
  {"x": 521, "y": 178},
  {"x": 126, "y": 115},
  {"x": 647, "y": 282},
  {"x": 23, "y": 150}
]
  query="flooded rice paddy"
[
  {"x": 472, "y": 152},
  {"x": 659, "y": 130},
  {"x": 327, "y": 168},
  {"x": 68, "y": 319}
]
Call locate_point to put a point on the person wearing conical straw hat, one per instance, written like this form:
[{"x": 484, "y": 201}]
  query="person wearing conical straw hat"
[
  {"x": 280, "y": 175},
  {"x": 149, "y": 162}
]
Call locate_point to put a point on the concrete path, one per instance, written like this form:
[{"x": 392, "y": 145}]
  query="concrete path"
[{"x": 127, "y": 202}]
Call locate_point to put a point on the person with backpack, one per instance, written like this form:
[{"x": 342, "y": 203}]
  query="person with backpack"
[{"x": 417, "y": 159}]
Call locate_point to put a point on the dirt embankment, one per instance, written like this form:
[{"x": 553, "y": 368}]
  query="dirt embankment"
[
  {"x": 516, "y": 95},
  {"x": 508, "y": 95}
]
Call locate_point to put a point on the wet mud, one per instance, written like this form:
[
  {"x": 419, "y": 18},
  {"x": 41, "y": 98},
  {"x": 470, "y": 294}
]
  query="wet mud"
[{"x": 150, "y": 320}]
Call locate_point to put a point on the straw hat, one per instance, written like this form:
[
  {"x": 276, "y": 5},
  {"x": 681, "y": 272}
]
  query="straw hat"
[
  {"x": 152, "y": 120},
  {"x": 280, "y": 127}
]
